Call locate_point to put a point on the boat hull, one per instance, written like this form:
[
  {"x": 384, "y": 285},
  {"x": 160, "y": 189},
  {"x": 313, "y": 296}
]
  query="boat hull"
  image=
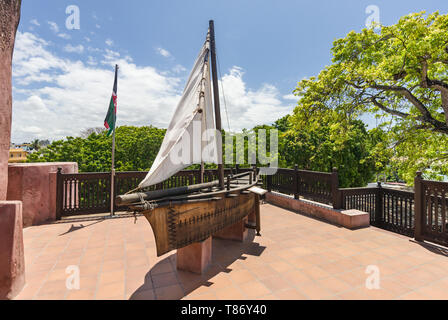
[{"x": 180, "y": 225}]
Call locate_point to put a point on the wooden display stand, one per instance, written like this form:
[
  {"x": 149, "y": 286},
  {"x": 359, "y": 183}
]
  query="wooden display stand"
[
  {"x": 236, "y": 231},
  {"x": 195, "y": 257}
]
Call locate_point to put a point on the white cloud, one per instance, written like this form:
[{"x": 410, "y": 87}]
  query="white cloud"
[
  {"x": 35, "y": 22},
  {"x": 32, "y": 62},
  {"x": 91, "y": 49},
  {"x": 64, "y": 36},
  {"x": 91, "y": 61},
  {"x": 290, "y": 97},
  {"x": 75, "y": 94},
  {"x": 87, "y": 39},
  {"x": 179, "y": 68},
  {"x": 76, "y": 49},
  {"x": 248, "y": 108},
  {"x": 109, "y": 42},
  {"x": 53, "y": 26},
  {"x": 163, "y": 52},
  {"x": 56, "y": 96},
  {"x": 97, "y": 26}
]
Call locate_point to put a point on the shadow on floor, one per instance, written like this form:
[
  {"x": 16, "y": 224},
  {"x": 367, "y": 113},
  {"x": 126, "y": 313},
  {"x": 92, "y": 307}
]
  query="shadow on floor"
[
  {"x": 434, "y": 248},
  {"x": 224, "y": 253},
  {"x": 81, "y": 226}
]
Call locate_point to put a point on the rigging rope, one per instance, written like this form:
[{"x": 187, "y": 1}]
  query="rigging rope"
[{"x": 222, "y": 89}]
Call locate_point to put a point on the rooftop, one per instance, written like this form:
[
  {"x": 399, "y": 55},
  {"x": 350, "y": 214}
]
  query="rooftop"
[{"x": 297, "y": 257}]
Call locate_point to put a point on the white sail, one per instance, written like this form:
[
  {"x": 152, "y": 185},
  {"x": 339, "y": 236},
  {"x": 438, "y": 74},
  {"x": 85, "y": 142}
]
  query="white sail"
[{"x": 191, "y": 134}]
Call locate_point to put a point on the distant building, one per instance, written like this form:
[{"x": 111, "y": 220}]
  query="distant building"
[
  {"x": 17, "y": 155},
  {"x": 25, "y": 146}
]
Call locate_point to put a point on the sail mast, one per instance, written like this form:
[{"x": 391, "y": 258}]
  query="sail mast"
[
  {"x": 203, "y": 109},
  {"x": 216, "y": 103}
]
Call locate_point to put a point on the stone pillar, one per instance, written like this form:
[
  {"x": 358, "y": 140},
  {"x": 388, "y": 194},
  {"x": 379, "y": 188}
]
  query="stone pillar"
[
  {"x": 9, "y": 20},
  {"x": 196, "y": 257},
  {"x": 12, "y": 261}
]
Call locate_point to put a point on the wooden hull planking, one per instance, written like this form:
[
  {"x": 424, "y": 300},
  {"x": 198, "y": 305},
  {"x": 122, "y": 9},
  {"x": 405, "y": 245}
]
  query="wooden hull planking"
[{"x": 179, "y": 225}]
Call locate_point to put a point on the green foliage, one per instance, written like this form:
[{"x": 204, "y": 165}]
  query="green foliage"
[
  {"x": 136, "y": 149},
  {"x": 399, "y": 75},
  {"x": 315, "y": 148},
  {"x": 331, "y": 144},
  {"x": 419, "y": 150}
]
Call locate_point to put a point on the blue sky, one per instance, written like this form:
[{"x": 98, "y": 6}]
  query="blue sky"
[{"x": 63, "y": 78}]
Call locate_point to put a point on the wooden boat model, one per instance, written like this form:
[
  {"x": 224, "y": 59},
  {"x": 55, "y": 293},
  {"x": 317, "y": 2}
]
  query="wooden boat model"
[{"x": 185, "y": 215}]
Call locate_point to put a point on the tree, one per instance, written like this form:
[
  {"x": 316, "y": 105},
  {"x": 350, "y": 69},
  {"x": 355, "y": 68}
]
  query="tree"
[
  {"x": 35, "y": 144},
  {"x": 87, "y": 132},
  {"x": 399, "y": 73},
  {"x": 136, "y": 149},
  {"x": 9, "y": 21},
  {"x": 321, "y": 146}
]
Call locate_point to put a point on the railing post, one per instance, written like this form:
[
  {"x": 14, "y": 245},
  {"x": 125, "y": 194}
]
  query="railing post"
[
  {"x": 335, "y": 193},
  {"x": 296, "y": 182},
  {"x": 59, "y": 194},
  {"x": 418, "y": 207},
  {"x": 379, "y": 204},
  {"x": 237, "y": 167},
  {"x": 269, "y": 182}
]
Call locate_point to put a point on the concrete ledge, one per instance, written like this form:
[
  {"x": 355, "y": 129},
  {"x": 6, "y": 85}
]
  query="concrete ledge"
[
  {"x": 35, "y": 185},
  {"x": 354, "y": 219},
  {"x": 12, "y": 259},
  {"x": 350, "y": 219}
]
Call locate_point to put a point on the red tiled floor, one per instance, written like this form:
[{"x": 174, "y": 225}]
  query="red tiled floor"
[
  {"x": 254, "y": 289},
  {"x": 295, "y": 258}
]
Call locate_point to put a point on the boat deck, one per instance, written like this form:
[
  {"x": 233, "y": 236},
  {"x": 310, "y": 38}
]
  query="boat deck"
[{"x": 296, "y": 257}]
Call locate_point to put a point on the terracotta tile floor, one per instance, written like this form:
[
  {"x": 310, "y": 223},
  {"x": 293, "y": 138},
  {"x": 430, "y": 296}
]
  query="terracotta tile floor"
[{"x": 296, "y": 257}]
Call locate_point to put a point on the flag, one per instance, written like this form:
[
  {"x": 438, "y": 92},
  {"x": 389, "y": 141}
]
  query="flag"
[{"x": 111, "y": 116}]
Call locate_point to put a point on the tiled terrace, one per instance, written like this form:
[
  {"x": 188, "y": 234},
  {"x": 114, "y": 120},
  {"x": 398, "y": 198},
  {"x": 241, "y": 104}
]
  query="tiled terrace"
[{"x": 296, "y": 257}]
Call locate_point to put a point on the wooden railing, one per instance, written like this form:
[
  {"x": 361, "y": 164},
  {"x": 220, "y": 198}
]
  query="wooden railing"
[
  {"x": 389, "y": 209},
  {"x": 422, "y": 214},
  {"x": 82, "y": 193},
  {"x": 85, "y": 193},
  {"x": 431, "y": 203},
  {"x": 397, "y": 211},
  {"x": 88, "y": 193},
  {"x": 312, "y": 185}
]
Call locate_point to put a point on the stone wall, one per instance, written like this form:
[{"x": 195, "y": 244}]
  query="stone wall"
[
  {"x": 12, "y": 259},
  {"x": 35, "y": 185},
  {"x": 9, "y": 20}
]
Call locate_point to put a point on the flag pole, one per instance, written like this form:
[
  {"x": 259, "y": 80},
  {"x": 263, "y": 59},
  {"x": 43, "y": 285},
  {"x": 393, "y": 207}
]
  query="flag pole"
[{"x": 112, "y": 178}]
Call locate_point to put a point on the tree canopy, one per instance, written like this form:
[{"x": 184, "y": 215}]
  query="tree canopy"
[
  {"x": 321, "y": 146},
  {"x": 400, "y": 75},
  {"x": 136, "y": 149}
]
